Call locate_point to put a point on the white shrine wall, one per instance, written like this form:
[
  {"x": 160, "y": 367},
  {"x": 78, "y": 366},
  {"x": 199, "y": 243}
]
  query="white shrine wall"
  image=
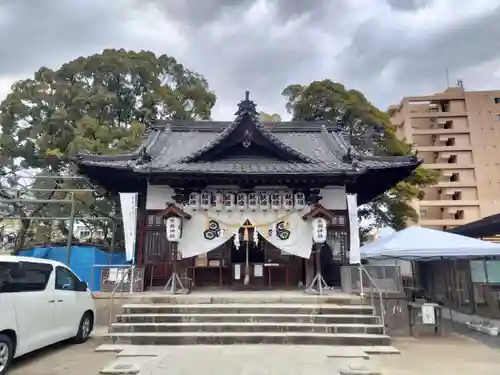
[{"x": 334, "y": 197}]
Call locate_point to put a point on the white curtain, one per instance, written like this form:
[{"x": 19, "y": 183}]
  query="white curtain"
[
  {"x": 297, "y": 239},
  {"x": 128, "y": 202},
  {"x": 194, "y": 241},
  {"x": 352, "y": 209},
  {"x": 287, "y": 231}
]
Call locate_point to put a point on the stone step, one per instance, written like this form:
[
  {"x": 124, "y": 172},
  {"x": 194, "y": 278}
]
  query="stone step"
[
  {"x": 246, "y": 297},
  {"x": 211, "y": 308},
  {"x": 246, "y": 327},
  {"x": 255, "y": 317},
  {"x": 230, "y": 338}
]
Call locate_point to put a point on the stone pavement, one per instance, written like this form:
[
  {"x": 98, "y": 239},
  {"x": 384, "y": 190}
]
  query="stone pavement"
[
  {"x": 239, "y": 360},
  {"x": 444, "y": 356}
]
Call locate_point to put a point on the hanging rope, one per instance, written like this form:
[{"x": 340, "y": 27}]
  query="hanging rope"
[{"x": 247, "y": 226}]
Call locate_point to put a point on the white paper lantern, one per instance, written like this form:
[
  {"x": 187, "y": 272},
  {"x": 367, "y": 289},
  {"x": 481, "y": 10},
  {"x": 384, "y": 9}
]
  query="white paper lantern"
[
  {"x": 241, "y": 201},
  {"x": 173, "y": 226},
  {"x": 287, "y": 200},
  {"x": 229, "y": 201},
  {"x": 276, "y": 201},
  {"x": 206, "y": 200},
  {"x": 219, "y": 201},
  {"x": 264, "y": 203},
  {"x": 319, "y": 230},
  {"x": 194, "y": 200},
  {"x": 299, "y": 201},
  {"x": 252, "y": 201}
]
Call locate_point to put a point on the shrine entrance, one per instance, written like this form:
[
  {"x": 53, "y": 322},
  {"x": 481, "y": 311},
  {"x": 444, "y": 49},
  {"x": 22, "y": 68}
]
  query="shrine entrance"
[{"x": 249, "y": 259}]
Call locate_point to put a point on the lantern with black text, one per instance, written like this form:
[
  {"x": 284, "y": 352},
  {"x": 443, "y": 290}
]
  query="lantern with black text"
[
  {"x": 319, "y": 230},
  {"x": 264, "y": 201},
  {"x": 206, "y": 200},
  {"x": 194, "y": 200},
  {"x": 300, "y": 201},
  {"x": 241, "y": 201},
  {"x": 173, "y": 226},
  {"x": 229, "y": 201},
  {"x": 219, "y": 201},
  {"x": 252, "y": 201},
  {"x": 276, "y": 200},
  {"x": 287, "y": 200}
]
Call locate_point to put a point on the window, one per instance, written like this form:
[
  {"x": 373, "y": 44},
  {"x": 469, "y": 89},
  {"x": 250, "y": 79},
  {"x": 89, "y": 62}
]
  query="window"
[
  {"x": 497, "y": 100},
  {"x": 455, "y": 177},
  {"x": 456, "y": 196},
  {"x": 450, "y": 142},
  {"x": 65, "y": 279},
  {"x": 459, "y": 215},
  {"x": 85, "y": 233},
  {"x": 24, "y": 277},
  {"x": 452, "y": 159}
]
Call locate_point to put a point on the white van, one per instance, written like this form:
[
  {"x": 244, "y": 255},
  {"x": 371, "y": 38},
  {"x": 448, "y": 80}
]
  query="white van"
[{"x": 42, "y": 302}]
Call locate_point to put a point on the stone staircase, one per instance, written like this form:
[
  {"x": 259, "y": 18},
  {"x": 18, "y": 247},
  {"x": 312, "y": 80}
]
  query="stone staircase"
[{"x": 299, "y": 321}]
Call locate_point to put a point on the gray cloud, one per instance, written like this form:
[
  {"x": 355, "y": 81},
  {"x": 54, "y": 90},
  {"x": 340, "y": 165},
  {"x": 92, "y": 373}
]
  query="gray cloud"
[
  {"x": 48, "y": 32},
  {"x": 237, "y": 47},
  {"x": 408, "y": 5}
]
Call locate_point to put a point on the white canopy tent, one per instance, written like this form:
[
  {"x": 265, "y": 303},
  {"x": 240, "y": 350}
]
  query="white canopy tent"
[{"x": 417, "y": 243}]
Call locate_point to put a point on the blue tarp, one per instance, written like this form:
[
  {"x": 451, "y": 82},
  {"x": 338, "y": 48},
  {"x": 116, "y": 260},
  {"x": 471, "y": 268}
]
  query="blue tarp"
[
  {"x": 417, "y": 243},
  {"x": 82, "y": 259}
]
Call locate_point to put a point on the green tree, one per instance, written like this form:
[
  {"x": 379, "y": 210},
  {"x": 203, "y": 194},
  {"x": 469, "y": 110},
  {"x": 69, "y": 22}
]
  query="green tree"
[
  {"x": 266, "y": 117},
  {"x": 100, "y": 103},
  {"x": 370, "y": 133}
]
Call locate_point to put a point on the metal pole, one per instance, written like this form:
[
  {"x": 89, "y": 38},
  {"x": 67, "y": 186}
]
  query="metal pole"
[
  {"x": 71, "y": 225},
  {"x": 43, "y": 218},
  {"x": 113, "y": 243},
  {"x": 318, "y": 268}
]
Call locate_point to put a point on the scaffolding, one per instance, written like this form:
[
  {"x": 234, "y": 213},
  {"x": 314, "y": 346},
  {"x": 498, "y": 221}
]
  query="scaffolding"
[{"x": 12, "y": 196}]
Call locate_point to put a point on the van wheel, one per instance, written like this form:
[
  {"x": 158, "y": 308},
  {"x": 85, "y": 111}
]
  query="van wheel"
[
  {"x": 84, "y": 329},
  {"x": 6, "y": 352}
]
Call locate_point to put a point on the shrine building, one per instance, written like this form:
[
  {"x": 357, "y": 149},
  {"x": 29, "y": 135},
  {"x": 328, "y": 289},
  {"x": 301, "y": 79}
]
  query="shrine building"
[{"x": 246, "y": 193}]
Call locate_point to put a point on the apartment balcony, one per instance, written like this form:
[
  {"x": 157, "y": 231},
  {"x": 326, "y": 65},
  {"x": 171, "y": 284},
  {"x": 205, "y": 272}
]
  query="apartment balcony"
[
  {"x": 449, "y": 166},
  {"x": 449, "y": 203},
  {"x": 442, "y": 222},
  {"x": 438, "y": 114},
  {"x": 442, "y": 148},
  {"x": 431, "y": 131},
  {"x": 449, "y": 184}
]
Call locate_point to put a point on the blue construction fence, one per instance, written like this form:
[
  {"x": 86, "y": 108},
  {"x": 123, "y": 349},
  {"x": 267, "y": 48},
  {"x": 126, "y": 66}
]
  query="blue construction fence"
[{"x": 82, "y": 261}]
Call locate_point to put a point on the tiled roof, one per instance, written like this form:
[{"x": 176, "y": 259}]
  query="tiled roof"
[{"x": 177, "y": 147}]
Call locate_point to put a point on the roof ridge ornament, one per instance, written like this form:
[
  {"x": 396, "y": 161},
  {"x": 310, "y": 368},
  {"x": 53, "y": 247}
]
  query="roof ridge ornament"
[{"x": 247, "y": 106}]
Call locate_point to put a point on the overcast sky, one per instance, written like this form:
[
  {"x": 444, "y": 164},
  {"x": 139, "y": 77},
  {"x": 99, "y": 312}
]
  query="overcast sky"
[{"x": 384, "y": 48}]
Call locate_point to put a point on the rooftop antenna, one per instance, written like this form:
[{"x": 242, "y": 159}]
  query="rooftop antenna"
[
  {"x": 460, "y": 83},
  {"x": 447, "y": 77}
]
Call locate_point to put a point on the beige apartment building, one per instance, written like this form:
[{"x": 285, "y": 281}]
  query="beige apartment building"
[{"x": 456, "y": 133}]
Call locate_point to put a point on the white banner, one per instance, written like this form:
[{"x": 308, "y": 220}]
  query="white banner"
[
  {"x": 352, "y": 209},
  {"x": 128, "y": 203}
]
